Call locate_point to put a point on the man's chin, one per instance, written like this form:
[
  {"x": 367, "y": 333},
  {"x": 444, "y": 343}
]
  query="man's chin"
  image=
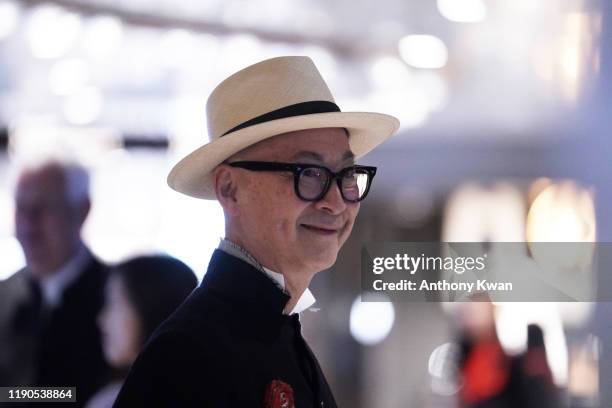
[{"x": 38, "y": 268}]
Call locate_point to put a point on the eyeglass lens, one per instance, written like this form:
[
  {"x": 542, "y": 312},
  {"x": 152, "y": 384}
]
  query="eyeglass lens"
[{"x": 312, "y": 181}]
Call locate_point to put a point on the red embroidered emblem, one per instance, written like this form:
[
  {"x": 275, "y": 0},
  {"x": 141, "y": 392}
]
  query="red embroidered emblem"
[{"x": 279, "y": 394}]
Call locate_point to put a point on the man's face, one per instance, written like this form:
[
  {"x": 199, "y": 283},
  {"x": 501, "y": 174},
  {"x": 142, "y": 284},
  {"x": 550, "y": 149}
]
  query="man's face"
[
  {"x": 47, "y": 224},
  {"x": 119, "y": 324},
  {"x": 283, "y": 231}
]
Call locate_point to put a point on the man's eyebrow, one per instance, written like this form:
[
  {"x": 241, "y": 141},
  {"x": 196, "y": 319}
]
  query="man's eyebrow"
[
  {"x": 306, "y": 154},
  {"x": 348, "y": 156}
]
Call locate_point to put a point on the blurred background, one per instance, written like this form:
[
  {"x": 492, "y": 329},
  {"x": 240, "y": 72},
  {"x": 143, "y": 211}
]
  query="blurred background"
[{"x": 505, "y": 112}]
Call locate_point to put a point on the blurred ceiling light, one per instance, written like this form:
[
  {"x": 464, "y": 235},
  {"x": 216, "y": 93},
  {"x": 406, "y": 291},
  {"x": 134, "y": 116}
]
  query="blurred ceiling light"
[
  {"x": 463, "y": 11},
  {"x": 84, "y": 106},
  {"x": 537, "y": 187},
  {"x": 579, "y": 54},
  {"x": 570, "y": 64},
  {"x": 390, "y": 73},
  {"x": 371, "y": 322},
  {"x": 196, "y": 73},
  {"x": 570, "y": 58},
  {"x": 140, "y": 60},
  {"x": 9, "y": 17},
  {"x": 102, "y": 36},
  {"x": 178, "y": 47},
  {"x": 404, "y": 104},
  {"x": 52, "y": 31},
  {"x": 36, "y": 140},
  {"x": 474, "y": 213},
  {"x": 563, "y": 212},
  {"x": 409, "y": 96},
  {"x": 67, "y": 76},
  {"x": 423, "y": 51}
]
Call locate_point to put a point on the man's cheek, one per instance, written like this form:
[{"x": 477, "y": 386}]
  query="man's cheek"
[{"x": 285, "y": 229}]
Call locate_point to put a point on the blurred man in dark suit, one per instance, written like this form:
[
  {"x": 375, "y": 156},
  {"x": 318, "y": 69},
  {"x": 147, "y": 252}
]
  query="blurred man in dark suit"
[{"x": 48, "y": 310}]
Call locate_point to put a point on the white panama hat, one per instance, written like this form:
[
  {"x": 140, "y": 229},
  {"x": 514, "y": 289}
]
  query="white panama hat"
[{"x": 272, "y": 97}]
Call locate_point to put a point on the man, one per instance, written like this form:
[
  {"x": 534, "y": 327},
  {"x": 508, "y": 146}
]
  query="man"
[
  {"x": 48, "y": 310},
  {"x": 281, "y": 164}
]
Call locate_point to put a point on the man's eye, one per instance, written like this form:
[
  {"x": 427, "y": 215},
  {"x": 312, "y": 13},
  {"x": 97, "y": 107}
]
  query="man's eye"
[{"x": 312, "y": 172}]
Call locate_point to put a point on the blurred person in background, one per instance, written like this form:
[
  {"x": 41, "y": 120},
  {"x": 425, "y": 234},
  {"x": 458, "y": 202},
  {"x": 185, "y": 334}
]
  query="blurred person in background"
[
  {"x": 485, "y": 368},
  {"x": 534, "y": 379},
  {"x": 48, "y": 331},
  {"x": 490, "y": 378},
  {"x": 140, "y": 294},
  {"x": 281, "y": 164}
]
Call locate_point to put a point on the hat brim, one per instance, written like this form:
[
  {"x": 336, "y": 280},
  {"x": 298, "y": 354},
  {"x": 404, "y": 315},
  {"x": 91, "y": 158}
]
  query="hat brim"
[{"x": 193, "y": 174}]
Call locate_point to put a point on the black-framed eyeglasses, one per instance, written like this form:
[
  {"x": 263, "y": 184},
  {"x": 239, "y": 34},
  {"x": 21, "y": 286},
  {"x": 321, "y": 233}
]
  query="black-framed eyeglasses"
[{"x": 312, "y": 182}]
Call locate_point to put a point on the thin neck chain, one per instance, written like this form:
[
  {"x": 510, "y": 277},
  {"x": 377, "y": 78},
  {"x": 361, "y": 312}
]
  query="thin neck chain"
[
  {"x": 240, "y": 252},
  {"x": 234, "y": 249}
]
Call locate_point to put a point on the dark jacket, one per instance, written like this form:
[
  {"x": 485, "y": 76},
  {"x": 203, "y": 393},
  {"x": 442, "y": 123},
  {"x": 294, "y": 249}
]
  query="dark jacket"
[
  {"x": 65, "y": 348},
  {"x": 224, "y": 347}
]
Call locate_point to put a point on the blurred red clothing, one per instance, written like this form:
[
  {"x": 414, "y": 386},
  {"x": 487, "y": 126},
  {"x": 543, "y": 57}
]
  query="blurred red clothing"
[{"x": 485, "y": 373}]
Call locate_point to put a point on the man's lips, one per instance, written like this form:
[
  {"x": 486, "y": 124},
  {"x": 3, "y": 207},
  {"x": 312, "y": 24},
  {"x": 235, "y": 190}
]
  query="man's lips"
[{"x": 325, "y": 230}]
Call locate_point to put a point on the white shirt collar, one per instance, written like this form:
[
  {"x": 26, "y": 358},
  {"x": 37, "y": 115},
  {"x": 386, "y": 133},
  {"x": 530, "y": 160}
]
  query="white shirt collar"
[
  {"x": 306, "y": 300},
  {"x": 53, "y": 285}
]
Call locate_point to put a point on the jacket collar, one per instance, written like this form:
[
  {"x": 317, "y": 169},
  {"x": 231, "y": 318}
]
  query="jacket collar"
[
  {"x": 243, "y": 284},
  {"x": 305, "y": 300}
]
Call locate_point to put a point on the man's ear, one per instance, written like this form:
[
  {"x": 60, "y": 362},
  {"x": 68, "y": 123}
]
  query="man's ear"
[{"x": 225, "y": 189}]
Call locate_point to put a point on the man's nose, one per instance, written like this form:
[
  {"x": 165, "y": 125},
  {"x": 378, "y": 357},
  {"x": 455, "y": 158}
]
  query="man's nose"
[{"x": 332, "y": 202}]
